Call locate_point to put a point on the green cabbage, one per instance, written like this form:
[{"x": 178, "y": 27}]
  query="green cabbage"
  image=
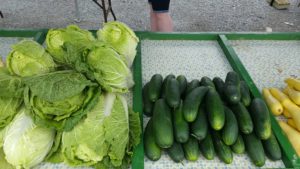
[
  {"x": 3, "y": 163},
  {"x": 25, "y": 144},
  {"x": 105, "y": 137},
  {"x": 121, "y": 38},
  {"x": 8, "y": 109},
  {"x": 10, "y": 86},
  {"x": 59, "y": 99},
  {"x": 29, "y": 58},
  {"x": 57, "y": 40},
  {"x": 108, "y": 68}
]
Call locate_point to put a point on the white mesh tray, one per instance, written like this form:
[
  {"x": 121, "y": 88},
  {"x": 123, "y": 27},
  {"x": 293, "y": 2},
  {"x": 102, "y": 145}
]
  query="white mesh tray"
[{"x": 194, "y": 59}]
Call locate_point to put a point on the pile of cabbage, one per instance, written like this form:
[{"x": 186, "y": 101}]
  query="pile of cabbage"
[{"x": 65, "y": 103}]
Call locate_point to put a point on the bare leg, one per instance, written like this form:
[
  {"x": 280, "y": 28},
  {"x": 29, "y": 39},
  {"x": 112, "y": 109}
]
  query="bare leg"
[
  {"x": 164, "y": 22},
  {"x": 153, "y": 20}
]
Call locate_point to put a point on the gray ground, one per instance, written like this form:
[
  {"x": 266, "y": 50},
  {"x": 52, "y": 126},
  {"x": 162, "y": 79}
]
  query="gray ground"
[{"x": 190, "y": 15}]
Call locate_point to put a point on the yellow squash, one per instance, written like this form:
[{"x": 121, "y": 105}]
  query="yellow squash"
[
  {"x": 272, "y": 102},
  {"x": 291, "y": 123},
  {"x": 281, "y": 97},
  {"x": 286, "y": 114},
  {"x": 294, "y": 111},
  {"x": 292, "y": 134},
  {"x": 295, "y": 83},
  {"x": 293, "y": 94}
]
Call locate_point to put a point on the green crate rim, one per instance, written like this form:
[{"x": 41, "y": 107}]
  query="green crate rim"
[{"x": 290, "y": 157}]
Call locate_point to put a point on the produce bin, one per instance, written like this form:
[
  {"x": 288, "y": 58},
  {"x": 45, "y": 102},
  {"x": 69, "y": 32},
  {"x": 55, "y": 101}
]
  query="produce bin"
[{"x": 194, "y": 55}]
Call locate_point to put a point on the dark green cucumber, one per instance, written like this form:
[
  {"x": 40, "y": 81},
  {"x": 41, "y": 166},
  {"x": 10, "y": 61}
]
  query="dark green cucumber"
[
  {"x": 243, "y": 117},
  {"x": 162, "y": 124},
  {"x": 214, "y": 109},
  {"x": 232, "y": 88},
  {"x": 191, "y": 149},
  {"x": 272, "y": 148},
  {"x": 192, "y": 102},
  {"x": 199, "y": 127},
  {"x": 175, "y": 152},
  {"x": 206, "y": 81},
  {"x": 164, "y": 84},
  {"x": 152, "y": 150},
  {"x": 207, "y": 147},
  {"x": 192, "y": 85},
  {"x": 182, "y": 83},
  {"x": 219, "y": 84},
  {"x": 261, "y": 118},
  {"x": 223, "y": 151},
  {"x": 181, "y": 127},
  {"x": 230, "y": 130},
  {"x": 254, "y": 149},
  {"x": 239, "y": 146},
  {"x": 173, "y": 93},
  {"x": 147, "y": 104},
  {"x": 245, "y": 94},
  {"x": 155, "y": 85}
]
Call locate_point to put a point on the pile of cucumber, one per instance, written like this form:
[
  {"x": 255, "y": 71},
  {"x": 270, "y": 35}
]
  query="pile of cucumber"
[{"x": 208, "y": 116}]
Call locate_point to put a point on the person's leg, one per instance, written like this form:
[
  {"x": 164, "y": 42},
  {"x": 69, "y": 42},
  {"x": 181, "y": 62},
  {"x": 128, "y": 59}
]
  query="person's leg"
[
  {"x": 152, "y": 20},
  {"x": 161, "y": 18}
]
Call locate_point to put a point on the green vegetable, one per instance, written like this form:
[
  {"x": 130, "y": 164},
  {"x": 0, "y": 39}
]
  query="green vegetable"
[
  {"x": 110, "y": 130},
  {"x": 214, "y": 109},
  {"x": 219, "y": 84},
  {"x": 243, "y": 117},
  {"x": 162, "y": 124},
  {"x": 3, "y": 163},
  {"x": 147, "y": 104},
  {"x": 245, "y": 94},
  {"x": 180, "y": 126},
  {"x": 155, "y": 87},
  {"x": 164, "y": 84},
  {"x": 261, "y": 118},
  {"x": 10, "y": 86},
  {"x": 29, "y": 58},
  {"x": 176, "y": 152},
  {"x": 230, "y": 130},
  {"x": 232, "y": 88},
  {"x": 239, "y": 146},
  {"x": 206, "y": 81},
  {"x": 59, "y": 99},
  {"x": 25, "y": 144},
  {"x": 182, "y": 83},
  {"x": 207, "y": 147},
  {"x": 59, "y": 40},
  {"x": 173, "y": 93},
  {"x": 272, "y": 148},
  {"x": 199, "y": 127},
  {"x": 8, "y": 109},
  {"x": 152, "y": 150},
  {"x": 223, "y": 151},
  {"x": 192, "y": 102},
  {"x": 121, "y": 38},
  {"x": 192, "y": 85},
  {"x": 254, "y": 149},
  {"x": 108, "y": 69},
  {"x": 191, "y": 149}
]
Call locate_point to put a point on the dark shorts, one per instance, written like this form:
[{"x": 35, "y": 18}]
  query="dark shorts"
[{"x": 160, "y": 5}]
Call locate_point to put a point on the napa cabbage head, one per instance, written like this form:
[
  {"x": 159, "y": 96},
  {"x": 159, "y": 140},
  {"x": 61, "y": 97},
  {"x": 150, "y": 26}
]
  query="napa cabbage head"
[
  {"x": 59, "y": 99},
  {"x": 105, "y": 137},
  {"x": 121, "y": 38},
  {"x": 28, "y": 58},
  {"x": 108, "y": 68},
  {"x": 59, "y": 40},
  {"x": 9, "y": 107},
  {"x": 25, "y": 144}
]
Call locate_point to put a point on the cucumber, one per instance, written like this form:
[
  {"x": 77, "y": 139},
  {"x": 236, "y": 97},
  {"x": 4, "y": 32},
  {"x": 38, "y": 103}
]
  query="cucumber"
[
  {"x": 272, "y": 148},
  {"x": 162, "y": 124},
  {"x": 155, "y": 87},
  {"x": 243, "y": 117},
  {"x": 230, "y": 130},
  {"x": 199, "y": 127},
  {"x": 164, "y": 84},
  {"x": 245, "y": 94},
  {"x": 192, "y": 102},
  {"x": 173, "y": 93},
  {"x": 239, "y": 146},
  {"x": 192, "y": 85},
  {"x": 152, "y": 150},
  {"x": 207, "y": 147},
  {"x": 181, "y": 127},
  {"x": 219, "y": 84},
  {"x": 191, "y": 149},
  {"x": 206, "y": 81},
  {"x": 214, "y": 109},
  {"x": 182, "y": 83},
  {"x": 147, "y": 104},
  {"x": 175, "y": 152},
  {"x": 223, "y": 151},
  {"x": 261, "y": 118},
  {"x": 232, "y": 88},
  {"x": 254, "y": 149}
]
